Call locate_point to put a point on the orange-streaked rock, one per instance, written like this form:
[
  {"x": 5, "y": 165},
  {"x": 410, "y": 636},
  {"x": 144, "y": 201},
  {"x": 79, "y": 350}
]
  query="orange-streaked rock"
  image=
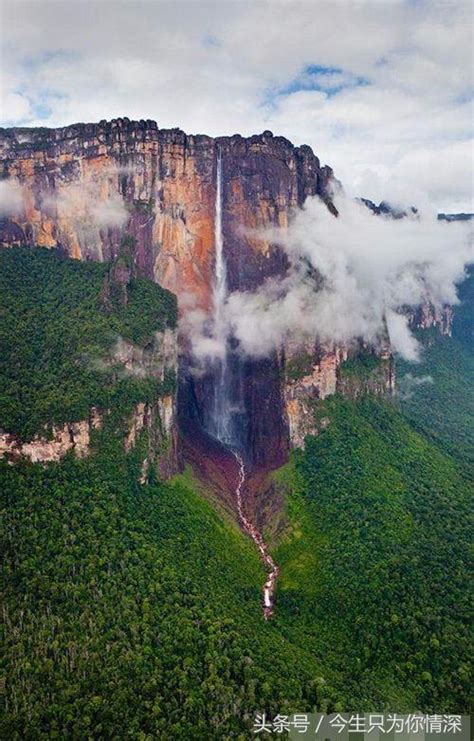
[{"x": 165, "y": 181}]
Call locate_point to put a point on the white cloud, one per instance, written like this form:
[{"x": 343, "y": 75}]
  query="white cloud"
[
  {"x": 408, "y": 383},
  {"x": 351, "y": 279},
  {"x": 91, "y": 204},
  {"x": 401, "y": 339},
  {"x": 109, "y": 213}
]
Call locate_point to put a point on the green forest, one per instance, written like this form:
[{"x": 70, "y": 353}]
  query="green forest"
[
  {"x": 378, "y": 552},
  {"x": 55, "y": 330},
  {"x": 133, "y": 611},
  {"x": 375, "y": 563}
]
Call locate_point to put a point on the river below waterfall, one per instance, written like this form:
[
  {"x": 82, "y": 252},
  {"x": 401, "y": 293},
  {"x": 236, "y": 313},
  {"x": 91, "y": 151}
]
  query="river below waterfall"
[{"x": 248, "y": 527}]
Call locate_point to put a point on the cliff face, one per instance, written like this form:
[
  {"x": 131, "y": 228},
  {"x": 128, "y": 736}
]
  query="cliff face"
[
  {"x": 160, "y": 185},
  {"x": 311, "y": 373},
  {"x": 428, "y": 316},
  {"x": 159, "y": 420},
  {"x": 83, "y": 187}
]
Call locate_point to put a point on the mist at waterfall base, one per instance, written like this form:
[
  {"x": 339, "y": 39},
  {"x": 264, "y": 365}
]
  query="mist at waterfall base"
[{"x": 349, "y": 279}]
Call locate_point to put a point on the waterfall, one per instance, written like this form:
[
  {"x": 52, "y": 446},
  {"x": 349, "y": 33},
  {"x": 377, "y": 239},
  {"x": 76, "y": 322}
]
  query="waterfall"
[
  {"x": 225, "y": 419},
  {"x": 221, "y": 422},
  {"x": 220, "y": 275}
]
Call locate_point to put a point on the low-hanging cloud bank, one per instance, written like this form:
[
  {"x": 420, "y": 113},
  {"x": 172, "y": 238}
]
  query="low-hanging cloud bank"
[{"x": 351, "y": 278}]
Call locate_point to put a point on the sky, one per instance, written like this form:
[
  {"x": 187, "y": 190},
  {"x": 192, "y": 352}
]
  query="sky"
[{"x": 380, "y": 89}]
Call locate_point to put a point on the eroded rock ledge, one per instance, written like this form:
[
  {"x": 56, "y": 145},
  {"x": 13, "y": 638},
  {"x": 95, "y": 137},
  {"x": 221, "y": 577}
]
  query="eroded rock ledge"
[
  {"x": 159, "y": 419},
  {"x": 73, "y": 436}
]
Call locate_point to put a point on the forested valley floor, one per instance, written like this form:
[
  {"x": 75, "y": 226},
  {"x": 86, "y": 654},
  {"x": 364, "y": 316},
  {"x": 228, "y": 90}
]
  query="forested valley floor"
[{"x": 133, "y": 610}]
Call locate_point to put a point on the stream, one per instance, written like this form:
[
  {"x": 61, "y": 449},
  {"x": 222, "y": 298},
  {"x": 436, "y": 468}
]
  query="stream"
[{"x": 270, "y": 565}]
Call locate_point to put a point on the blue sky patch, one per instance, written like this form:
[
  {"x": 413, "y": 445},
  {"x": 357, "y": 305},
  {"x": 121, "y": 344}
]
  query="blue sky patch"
[
  {"x": 327, "y": 80},
  {"x": 211, "y": 41}
]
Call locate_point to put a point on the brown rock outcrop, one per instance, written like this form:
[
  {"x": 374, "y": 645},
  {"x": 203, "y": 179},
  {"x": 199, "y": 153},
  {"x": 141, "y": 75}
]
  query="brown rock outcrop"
[
  {"x": 427, "y": 316},
  {"x": 159, "y": 420},
  {"x": 311, "y": 372},
  {"x": 86, "y": 186},
  {"x": 71, "y": 436}
]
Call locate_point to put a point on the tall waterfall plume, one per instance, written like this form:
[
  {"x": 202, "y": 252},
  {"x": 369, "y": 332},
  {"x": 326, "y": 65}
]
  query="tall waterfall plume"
[
  {"x": 225, "y": 420},
  {"x": 221, "y": 422}
]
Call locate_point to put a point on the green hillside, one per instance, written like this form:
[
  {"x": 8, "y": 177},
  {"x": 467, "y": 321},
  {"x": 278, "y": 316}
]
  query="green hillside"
[
  {"x": 134, "y": 611},
  {"x": 375, "y": 564},
  {"x": 442, "y": 407},
  {"x": 128, "y": 609},
  {"x": 54, "y": 331}
]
